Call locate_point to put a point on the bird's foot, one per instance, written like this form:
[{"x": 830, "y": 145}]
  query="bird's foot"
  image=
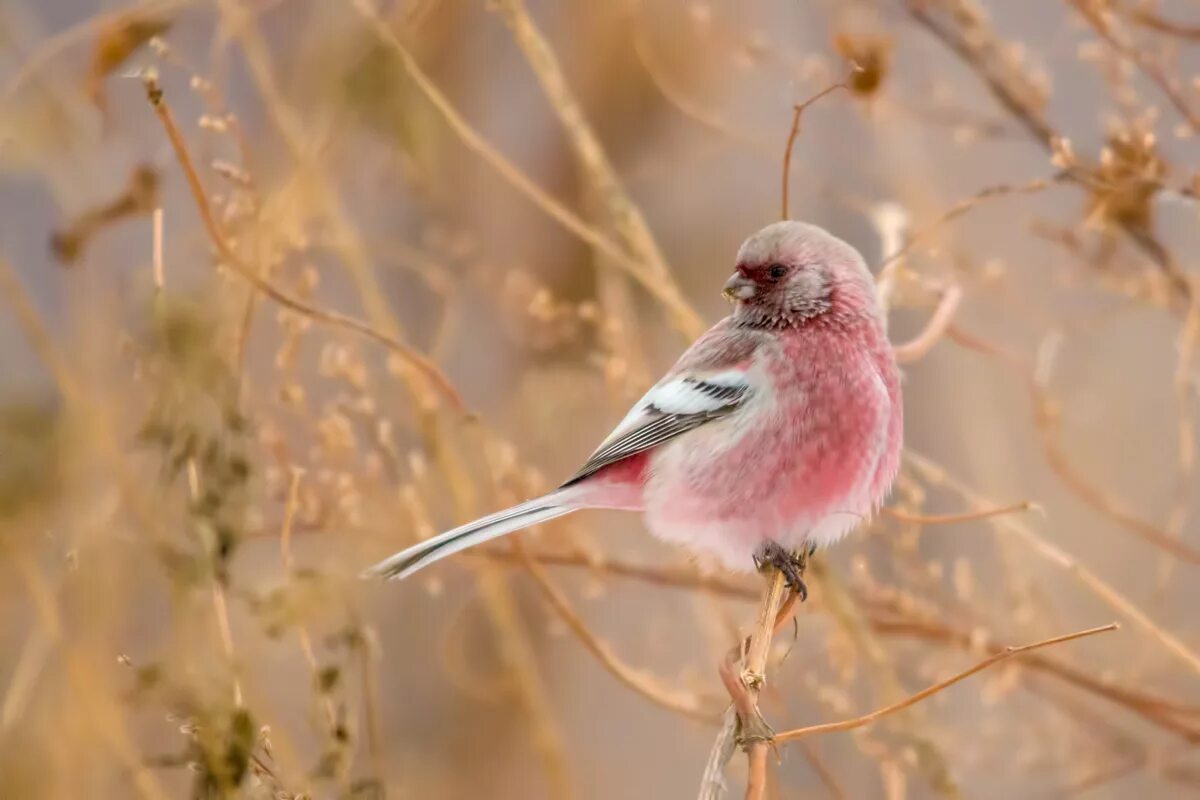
[{"x": 772, "y": 555}]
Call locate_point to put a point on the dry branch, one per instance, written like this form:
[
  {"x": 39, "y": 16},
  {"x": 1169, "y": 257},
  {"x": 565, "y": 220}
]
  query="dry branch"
[
  {"x": 987, "y": 56},
  {"x": 990, "y": 661},
  {"x": 230, "y": 257},
  {"x": 743, "y": 723},
  {"x": 673, "y": 700},
  {"x": 797, "y": 113},
  {"x": 918, "y": 347},
  {"x": 1038, "y": 544},
  {"x": 671, "y": 300},
  {"x": 624, "y": 215},
  {"x": 1150, "y": 68},
  {"x": 949, "y": 519}
]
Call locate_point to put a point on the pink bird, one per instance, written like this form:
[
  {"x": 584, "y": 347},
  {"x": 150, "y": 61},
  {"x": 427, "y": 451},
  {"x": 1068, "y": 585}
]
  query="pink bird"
[{"x": 775, "y": 433}]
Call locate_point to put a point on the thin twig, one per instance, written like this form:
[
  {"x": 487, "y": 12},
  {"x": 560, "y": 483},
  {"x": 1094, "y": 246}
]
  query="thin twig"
[
  {"x": 824, "y": 773},
  {"x": 1046, "y": 416},
  {"x": 867, "y": 719},
  {"x": 673, "y": 700},
  {"x": 1148, "y": 19},
  {"x": 965, "y": 205},
  {"x": 949, "y": 519},
  {"x": 1152, "y": 70},
  {"x": 981, "y": 51},
  {"x": 157, "y": 249},
  {"x": 99, "y": 708},
  {"x": 333, "y": 318},
  {"x": 797, "y": 112},
  {"x": 936, "y": 474},
  {"x": 845, "y": 609},
  {"x": 680, "y": 310},
  {"x": 678, "y": 577},
  {"x": 1152, "y": 708},
  {"x": 1045, "y": 422},
  {"x": 285, "y": 555},
  {"x": 917, "y": 347},
  {"x": 624, "y": 215},
  {"x": 220, "y": 606},
  {"x": 81, "y": 32}
]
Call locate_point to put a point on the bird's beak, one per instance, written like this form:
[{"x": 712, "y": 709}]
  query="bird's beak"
[{"x": 739, "y": 287}]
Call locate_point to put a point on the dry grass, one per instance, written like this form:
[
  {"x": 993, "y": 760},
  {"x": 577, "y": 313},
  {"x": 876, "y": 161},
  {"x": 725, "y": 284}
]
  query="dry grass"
[{"x": 288, "y": 284}]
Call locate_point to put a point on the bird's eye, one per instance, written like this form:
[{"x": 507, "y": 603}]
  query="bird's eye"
[{"x": 777, "y": 271}]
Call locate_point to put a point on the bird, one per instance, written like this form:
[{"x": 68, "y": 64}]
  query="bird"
[{"x": 774, "y": 434}]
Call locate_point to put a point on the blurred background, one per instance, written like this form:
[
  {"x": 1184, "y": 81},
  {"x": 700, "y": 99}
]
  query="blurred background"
[{"x": 439, "y": 246}]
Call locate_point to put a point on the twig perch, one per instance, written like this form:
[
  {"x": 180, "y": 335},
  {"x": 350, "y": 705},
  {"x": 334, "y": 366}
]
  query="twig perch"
[{"x": 743, "y": 723}]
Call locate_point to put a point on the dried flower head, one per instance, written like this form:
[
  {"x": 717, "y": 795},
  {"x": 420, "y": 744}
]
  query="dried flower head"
[
  {"x": 1130, "y": 174},
  {"x": 870, "y": 55}
]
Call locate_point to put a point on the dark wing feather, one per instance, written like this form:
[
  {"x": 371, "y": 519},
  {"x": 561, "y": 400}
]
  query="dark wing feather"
[{"x": 658, "y": 426}]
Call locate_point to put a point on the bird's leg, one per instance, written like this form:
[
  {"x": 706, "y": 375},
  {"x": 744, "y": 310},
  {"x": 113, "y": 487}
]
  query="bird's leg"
[{"x": 772, "y": 555}]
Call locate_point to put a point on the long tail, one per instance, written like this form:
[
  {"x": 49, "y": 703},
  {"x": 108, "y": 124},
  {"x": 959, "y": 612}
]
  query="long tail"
[{"x": 422, "y": 554}]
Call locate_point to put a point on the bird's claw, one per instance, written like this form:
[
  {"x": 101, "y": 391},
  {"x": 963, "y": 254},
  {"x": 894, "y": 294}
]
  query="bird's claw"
[{"x": 791, "y": 564}]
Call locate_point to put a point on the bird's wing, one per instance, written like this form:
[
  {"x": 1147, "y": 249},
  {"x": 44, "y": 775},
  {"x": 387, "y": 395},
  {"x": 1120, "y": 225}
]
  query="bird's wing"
[{"x": 710, "y": 381}]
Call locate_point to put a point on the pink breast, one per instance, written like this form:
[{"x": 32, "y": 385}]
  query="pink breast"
[{"x": 819, "y": 453}]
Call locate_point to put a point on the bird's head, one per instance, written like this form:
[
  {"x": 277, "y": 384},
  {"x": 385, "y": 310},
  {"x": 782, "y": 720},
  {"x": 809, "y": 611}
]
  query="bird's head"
[{"x": 790, "y": 272}]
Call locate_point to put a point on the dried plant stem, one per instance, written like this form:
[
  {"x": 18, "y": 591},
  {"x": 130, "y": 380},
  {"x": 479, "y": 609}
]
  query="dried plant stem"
[
  {"x": 753, "y": 677},
  {"x": 673, "y": 700},
  {"x": 950, "y": 519},
  {"x": 624, "y": 215},
  {"x": 17, "y": 297},
  {"x": 990, "y": 661},
  {"x": 1038, "y": 544},
  {"x": 678, "y": 577},
  {"x": 917, "y": 348},
  {"x": 824, "y": 773},
  {"x": 308, "y": 156},
  {"x": 230, "y": 257},
  {"x": 220, "y": 606},
  {"x": 797, "y": 113},
  {"x": 1187, "y": 392},
  {"x": 845, "y": 610},
  {"x": 515, "y": 649},
  {"x": 1082, "y": 487},
  {"x": 1151, "y": 69},
  {"x": 79, "y": 33},
  {"x": 981, "y": 53},
  {"x": 97, "y": 423},
  {"x": 519, "y": 657},
  {"x": 712, "y": 780},
  {"x": 98, "y": 707},
  {"x": 1156, "y": 710},
  {"x": 962, "y": 207},
  {"x": 674, "y": 303},
  {"x": 980, "y": 50},
  {"x": 157, "y": 249},
  {"x": 285, "y": 555},
  {"x": 1148, "y": 19},
  {"x": 26, "y": 669},
  {"x": 368, "y": 654},
  {"x": 675, "y": 96},
  {"x": 745, "y": 724},
  {"x": 1046, "y": 414}
]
